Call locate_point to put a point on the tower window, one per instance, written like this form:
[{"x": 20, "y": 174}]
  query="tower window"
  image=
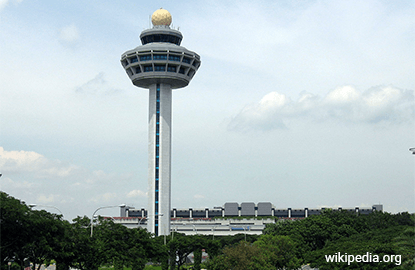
[
  {"x": 134, "y": 59},
  {"x": 161, "y": 38},
  {"x": 145, "y": 57},
  {"x": 186, "y": 60},
  {"x": 156, "y": 206},
  {"x": 137, "y": 70},
  {"x": 160, "y": 57},
  {"x": 160, "y": 67},
  {"x": 174, "y": 58},
  {"x": 171, "y": 68},
  {"x": 148, "y": 68},
  {"x": 181, "y": 70},
  {"x": 191, "y": 73}
]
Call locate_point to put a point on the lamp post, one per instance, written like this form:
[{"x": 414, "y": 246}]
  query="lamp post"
[
  {"x": 106, "y": 217},
  {"x": 92, "y": 217},
  {"x": 142, "y": 218},
  {"x": 213, "y": 232},
  {"x": 172, "y": 233},
  {"x": 244, "y": 231},
  {"x": 50, "y": 206}
]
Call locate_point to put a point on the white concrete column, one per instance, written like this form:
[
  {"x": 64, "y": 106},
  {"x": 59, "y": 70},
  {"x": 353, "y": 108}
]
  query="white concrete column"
[{"x": 163, "y": 193}]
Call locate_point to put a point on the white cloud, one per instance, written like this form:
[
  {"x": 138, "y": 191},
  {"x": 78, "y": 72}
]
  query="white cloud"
[
  {"x": 28, "y": 169},
  {"x": 264, "y": 115},
  {"x": 96, "y": 85},
  {"x": 273, "y": 100},
  {"x": 29, "y": 161},
  {"x": 137, "y": 193},
  {"x": 46, "y": 199},
  {"x": 342, "y": 95},
  {"x": 20, "y": 160},
  {"x": 344, "y": 104},
  {"x": 6, "y": 181},
  {"x": 69, "y": 34},
  {"x": 71, "y": 188},
  {"x": 4, "y": 3},
  {"x": 106, "y": 197}
]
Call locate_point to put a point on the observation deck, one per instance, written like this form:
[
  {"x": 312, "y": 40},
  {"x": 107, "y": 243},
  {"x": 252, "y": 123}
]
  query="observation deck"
[
  {"x": 159, "y": 62},
  {"x": 160, "y": 58}
]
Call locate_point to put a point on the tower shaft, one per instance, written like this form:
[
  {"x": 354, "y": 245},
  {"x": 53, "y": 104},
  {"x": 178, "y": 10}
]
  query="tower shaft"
[
  {"x": 159, "y": 168},
  {"x": 160, "y": 64}
]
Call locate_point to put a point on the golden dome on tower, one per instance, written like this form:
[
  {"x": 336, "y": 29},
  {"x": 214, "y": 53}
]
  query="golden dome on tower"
[{"x": 161, "y": 17}]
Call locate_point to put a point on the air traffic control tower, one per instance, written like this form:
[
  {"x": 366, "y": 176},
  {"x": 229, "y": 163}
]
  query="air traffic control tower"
[{"x": 160, "y": 64}]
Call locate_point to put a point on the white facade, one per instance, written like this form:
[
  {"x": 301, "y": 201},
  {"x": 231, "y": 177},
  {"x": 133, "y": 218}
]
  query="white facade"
[
  {"x": 159, "y": 194},
  {"x": 214, "y": 227}
]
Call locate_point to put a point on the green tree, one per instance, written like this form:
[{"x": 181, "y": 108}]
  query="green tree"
[
  {"x": 15, "y": 229},
  {"x": 111, "y": 245},
  {"x": 179, "y": 248},
  {"x": 64, "y": 255},
  {"x": 335, "y": 231},
  {"x": 376, "y": 242},
  {"x": 47, "y": 232},
  {"x": 242, "y": 256},
  {"x": 279, "y": 251},
  {"x": 143, "y": 248},
  {"x": 159, "y": 252},
  {"x": 198, "y": 243},
  {"x": 28, "y": 234},
  {"x": 88, "y": 252},
  {"x": 213, "y": 247},
  {"x": 405, "y": 245}
]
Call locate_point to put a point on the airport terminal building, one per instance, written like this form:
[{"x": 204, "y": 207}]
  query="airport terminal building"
[{"x": 230, "y": 219}]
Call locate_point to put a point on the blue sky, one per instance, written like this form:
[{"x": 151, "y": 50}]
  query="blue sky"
[{"x": 299, "y": 103}]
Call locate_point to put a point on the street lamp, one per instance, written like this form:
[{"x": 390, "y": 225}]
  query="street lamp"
[
  {"x": 142, "y": 218},
  {"x": 172, "y": 232},
  {"x": 106, "y": 217},
  {"x": 213, "y": 232},
  {"x": 92, "y": 225},
  {"x": 244, "y": 231},
  {"x": 50, "y": 206}
]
